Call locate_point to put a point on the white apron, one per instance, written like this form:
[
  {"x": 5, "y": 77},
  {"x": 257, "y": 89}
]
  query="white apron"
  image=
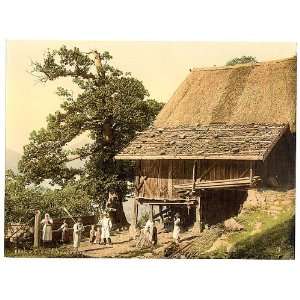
[
  {"x": 106, "y": 227},
  {"x": 148, "y": 230},
  {"x": 78, "y": 229},
  {"x": 47, "y": 230}
]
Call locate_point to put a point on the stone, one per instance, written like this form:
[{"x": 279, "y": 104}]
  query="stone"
[{"x": 232, "y": 225}]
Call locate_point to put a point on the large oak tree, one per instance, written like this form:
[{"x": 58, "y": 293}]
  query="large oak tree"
[{"x": 111, "y": 106}]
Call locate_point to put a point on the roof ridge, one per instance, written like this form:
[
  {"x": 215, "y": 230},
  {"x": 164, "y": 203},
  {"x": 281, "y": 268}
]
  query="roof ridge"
[{"x": 243, "y": 65}]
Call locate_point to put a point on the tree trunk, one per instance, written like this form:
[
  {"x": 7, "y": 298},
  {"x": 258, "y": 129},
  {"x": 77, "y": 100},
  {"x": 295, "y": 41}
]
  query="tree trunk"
[{"x": 117, "y": 214}]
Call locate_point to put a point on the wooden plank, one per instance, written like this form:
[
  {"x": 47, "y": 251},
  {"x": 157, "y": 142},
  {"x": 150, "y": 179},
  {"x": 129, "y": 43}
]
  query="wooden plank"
[
  {"x": 194, "y": 174},
  {"x": 219, "y": 184},
  {"x": 251, "y": 173},
  {"x": 243, "y": 179},
  {"x": 207, "y": 171}
]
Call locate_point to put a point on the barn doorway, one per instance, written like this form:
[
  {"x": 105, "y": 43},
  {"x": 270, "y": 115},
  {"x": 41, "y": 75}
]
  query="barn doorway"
[{"x": 219, "y": 205}]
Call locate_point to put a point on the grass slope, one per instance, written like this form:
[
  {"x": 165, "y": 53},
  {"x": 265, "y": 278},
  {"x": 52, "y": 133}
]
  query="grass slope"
[{"x": 274, "y": 238}]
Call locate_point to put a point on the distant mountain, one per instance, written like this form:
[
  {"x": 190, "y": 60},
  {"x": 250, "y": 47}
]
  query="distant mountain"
[{"x": 11, "y": 159}]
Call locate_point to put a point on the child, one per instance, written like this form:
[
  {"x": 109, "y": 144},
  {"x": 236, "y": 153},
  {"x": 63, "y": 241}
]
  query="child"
[
  {"x": 64, "y": 234},
  {"x": 97, "y": 236},
  {"x": 106, "y": 227},
  {"x": 92, "y": 234}
]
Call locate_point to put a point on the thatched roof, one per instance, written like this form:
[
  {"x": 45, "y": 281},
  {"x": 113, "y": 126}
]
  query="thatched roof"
[
  {"x": 242, "y": 94},
  {"x": 214, "y": 141}
]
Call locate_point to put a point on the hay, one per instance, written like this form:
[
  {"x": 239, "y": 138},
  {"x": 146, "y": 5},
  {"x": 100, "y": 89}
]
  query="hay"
[{"x": 242, "y": 94}]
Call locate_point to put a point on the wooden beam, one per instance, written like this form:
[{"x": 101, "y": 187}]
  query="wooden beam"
[
  {"x": 244, "y": 173},
  {"x": 198, "y": 226},
  {"x": 251, "y": 173},
  {"x": 218, "y": 184},
  {"x": 151, "y": 212},
  {"x": 206, "y": 172},
  {"x": 219, "y": 181},
  {"x": 194, "y": 174},
  {"x": 141, "y": 183}
]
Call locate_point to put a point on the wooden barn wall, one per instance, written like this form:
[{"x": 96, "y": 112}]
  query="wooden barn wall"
[
  {"x": 280, "y": 163},
  {"x": 162, "y": 175}
]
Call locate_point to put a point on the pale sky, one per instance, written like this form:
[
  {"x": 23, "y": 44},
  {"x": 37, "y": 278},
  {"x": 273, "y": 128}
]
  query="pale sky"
[{"x": 162, "y": 66}]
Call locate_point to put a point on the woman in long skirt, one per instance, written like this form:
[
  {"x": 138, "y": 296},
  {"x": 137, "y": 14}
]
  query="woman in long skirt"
[
  {"x": 78, "y": 229},
  {"x": 176, "y": 230},
  {"x": 47, "y": 229}
]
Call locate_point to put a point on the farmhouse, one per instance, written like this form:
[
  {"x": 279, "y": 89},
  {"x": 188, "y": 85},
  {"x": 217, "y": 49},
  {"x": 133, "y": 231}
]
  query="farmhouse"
[{"x": 225, "y": 131}]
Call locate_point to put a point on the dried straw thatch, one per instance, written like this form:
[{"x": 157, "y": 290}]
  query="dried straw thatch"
[{"x": 242, "y": 94}]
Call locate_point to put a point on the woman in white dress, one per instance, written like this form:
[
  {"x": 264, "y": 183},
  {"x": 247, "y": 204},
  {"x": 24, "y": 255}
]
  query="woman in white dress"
[
  {"x": 78, "y": 229},
  {"x": 176, "y": 230},
  {"x": 105, "y": 230},
  {"x": 47, "y": 229}
]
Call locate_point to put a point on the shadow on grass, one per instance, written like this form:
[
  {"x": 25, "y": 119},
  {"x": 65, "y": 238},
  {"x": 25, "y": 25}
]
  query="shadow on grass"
[{"x": 277, "y": 242}]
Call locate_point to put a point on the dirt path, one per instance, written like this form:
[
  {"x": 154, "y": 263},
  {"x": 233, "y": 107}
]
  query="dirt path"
[{"x": 122, "y": 247}]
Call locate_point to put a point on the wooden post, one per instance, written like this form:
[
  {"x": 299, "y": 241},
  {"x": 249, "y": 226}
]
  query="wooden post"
[
  {"x": 135, "y": 212},
  {"x": 37, "y": 223},
  {"x": 194, "y": 174},
  {"x": 160, "y": 214},
  {"x": 198, "y": 224},
  {"x": 134, "y": 217},
  {"x": 251, "y": 172},
  {"x": 151, "y": 212}
]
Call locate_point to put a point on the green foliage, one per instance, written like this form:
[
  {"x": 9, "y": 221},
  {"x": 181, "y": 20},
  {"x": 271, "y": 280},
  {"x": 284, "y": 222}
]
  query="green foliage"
[
  {"x": 110, "y": 106},
  {"x": 22, "y": 200},
  {"x": 241, "y": 60}
]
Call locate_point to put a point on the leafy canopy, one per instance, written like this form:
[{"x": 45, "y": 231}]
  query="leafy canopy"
[
  {"x": 109, "y": 105},
  {"x": 241, "y": 60},
  {"x": 22, "y": 200}
]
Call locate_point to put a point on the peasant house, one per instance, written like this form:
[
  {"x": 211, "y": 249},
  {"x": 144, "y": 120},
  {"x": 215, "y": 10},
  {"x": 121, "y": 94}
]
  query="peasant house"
[{"x": 224, "y": 132}]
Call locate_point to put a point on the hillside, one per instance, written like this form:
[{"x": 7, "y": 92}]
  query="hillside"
[
  {"x": 268, "y": 232},
  {"x": 11, "y": 159}
]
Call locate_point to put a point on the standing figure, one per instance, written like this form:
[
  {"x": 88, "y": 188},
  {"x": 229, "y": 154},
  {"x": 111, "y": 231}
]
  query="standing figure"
[
  {"x": 148, "y": 231},
  {"x": 92, "y": 234},
  {"x": 78, "y": 229},
  {"x": 154, "y": 234},
  {"x": 106, "y": 227},
  {"x": 176, "y": 230},
  {"x": 64, "y": 234},
  {"x": 47, "y": 229},
  {"x": 97, "y": 236}
]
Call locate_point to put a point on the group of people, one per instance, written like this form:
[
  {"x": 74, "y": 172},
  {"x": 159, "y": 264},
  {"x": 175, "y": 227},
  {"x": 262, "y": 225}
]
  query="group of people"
[
  {"x": 148, "y": 235},
  {"x": 102, "y": 234}
]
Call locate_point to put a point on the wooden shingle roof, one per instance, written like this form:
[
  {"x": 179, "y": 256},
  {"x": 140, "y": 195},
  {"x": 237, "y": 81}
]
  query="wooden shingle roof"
[{"x": 214, "y": 141}]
